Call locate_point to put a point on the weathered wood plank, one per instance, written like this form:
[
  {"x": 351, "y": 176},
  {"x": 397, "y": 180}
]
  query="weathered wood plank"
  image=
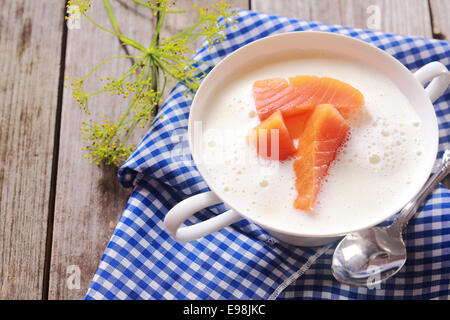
[
  {"x": 30, "y": 55},
  {"x": 89, "y": 199},
  {"x": 440, "y": 10},
  {"x": 395, "y": 16}
]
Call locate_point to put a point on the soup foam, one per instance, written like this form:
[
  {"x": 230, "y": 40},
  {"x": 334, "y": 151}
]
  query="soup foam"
[{"x": 376, "y": 167}]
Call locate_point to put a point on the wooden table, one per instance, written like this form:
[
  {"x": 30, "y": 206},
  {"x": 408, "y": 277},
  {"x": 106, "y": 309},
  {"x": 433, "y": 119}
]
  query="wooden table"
[{"x": 57, "y": 212}]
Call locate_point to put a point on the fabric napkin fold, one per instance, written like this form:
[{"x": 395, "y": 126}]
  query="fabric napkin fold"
[{"x": 243, "y": 261}]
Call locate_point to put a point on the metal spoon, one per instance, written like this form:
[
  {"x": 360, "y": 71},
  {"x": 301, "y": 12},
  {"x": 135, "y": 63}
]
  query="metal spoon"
[{"x": 365, "y": 258}]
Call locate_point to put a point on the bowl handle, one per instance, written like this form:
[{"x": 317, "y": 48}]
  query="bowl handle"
[
  {"x": 439, "y": 76},
  {"x": 186, "y": 208}
]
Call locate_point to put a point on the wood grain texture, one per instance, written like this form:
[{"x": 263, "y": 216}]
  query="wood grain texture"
[
  {"x": 440, "y": 10},
  {"x": 89, "y": 199},
  {"x": 30, "y": 54},
  {"x": 395, "y": 17}
]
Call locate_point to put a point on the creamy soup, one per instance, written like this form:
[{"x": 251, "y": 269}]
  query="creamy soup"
[{"x": 376, "y": 167}]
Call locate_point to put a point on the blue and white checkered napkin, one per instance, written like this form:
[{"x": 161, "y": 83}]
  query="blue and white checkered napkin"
[{"x": 242, "y": 261}]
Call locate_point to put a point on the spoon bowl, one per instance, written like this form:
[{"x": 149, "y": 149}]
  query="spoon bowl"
[{"x": 367, "y": 257}]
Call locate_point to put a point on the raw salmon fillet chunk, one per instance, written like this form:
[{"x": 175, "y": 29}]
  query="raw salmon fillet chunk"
[
  {"x": 324, "y": 134},
  {"x": 303, "y": 93},
  {"x": 296, "y": 124},
  {"x": 271, "y": 137},
  {"x": 271, "y": 95}
]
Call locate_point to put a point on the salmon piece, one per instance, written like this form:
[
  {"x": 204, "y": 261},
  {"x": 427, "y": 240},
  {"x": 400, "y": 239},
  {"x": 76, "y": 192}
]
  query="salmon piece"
[
  {"x": 303, "y": 93},
  {"x": 271, "y": 137},
  {"x": 271, "y": 95},
  {"x": 314, "y": 91},
  {"x": 296, "y": 124},
  {"x": 325, "y": 132}
]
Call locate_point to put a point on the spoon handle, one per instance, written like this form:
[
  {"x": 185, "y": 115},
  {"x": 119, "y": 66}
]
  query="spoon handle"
[{"x": 411, "y": 208}]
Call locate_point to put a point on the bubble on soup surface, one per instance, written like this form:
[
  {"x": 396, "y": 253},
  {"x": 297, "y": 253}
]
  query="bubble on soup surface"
[
  {"x": 374, "y": 159},
  {"x": 264, "y": 183},
  {"x": 211, "y": 144},
  {"x": 252, "y": 114}
]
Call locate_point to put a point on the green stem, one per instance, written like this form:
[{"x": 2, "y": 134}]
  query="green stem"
[
  {"x": 144, "y": 4},
  {"x": 95, "y": 93},
  {"x": 102, "y": 63},
  {"x": 123, "y": 38},
  {"x": 111, "y": 16},
  {"x": 161, "y": 17},
  {"x": 130, "y": 129},
  {"x": 128, "y": 73},
  {"x": 163, "y": 88},
  {"x": 138, "y": 92},
  {"x": 187, "y": 31}
]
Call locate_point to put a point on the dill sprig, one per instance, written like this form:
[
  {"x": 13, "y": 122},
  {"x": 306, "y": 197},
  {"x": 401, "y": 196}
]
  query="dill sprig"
[{"x": 154, "y": 66}]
